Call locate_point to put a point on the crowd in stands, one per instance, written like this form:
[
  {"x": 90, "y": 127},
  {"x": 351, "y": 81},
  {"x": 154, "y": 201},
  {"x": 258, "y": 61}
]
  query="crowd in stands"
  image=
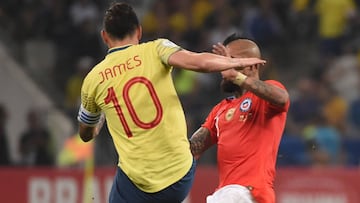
[{"x": 312, "y": 46}]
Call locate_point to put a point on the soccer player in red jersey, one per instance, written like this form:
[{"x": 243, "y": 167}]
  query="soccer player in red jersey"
[{"x": 247, "y": 129}]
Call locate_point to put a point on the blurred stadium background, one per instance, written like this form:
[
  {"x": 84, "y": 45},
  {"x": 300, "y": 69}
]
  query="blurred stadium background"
[{"x": 47, "y": 46}]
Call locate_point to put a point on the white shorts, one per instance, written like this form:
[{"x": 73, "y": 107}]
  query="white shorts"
[{"x": 231, "y": 194}]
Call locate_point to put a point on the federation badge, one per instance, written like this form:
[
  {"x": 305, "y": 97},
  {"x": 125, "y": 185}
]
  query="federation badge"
[
  {"x": 229, "y": 114},
  {"x": 245, "y": 105},
  {"x": 169, "y": 43}
]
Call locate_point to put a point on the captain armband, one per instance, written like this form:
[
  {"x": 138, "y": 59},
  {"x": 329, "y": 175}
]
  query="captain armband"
[{"x": 88, "y": 118}]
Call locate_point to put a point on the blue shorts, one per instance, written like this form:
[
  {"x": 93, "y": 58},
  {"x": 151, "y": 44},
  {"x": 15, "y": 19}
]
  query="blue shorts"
[{"x": 124, "y": 191}]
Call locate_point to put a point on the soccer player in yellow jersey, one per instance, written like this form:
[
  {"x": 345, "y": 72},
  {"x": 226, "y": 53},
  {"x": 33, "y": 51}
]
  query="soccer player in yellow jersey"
[{"x": 133, "y": 88}]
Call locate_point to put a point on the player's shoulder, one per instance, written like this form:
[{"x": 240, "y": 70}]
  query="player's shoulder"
[
  {"x": 151, "y": 43},
  {"x": 224, "y": 102},
  {"x": 96, "y": 68},
  {"x": 93, "y": 74},
  {"x": 162, "y": 42},
  {"x": 220, "y": 106}
]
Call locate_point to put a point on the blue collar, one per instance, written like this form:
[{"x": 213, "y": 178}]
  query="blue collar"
[{"x": 118, "y": 49}]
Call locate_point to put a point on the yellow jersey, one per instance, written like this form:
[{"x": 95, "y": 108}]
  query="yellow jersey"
[
  {"x": 133, "y": 87},
  {"x": 333, "y": 16}
]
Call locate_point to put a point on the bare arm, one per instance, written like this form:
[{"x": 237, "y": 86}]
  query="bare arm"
[
  {"x": 87, "y": 133},
  {"x": 200, "y": 141},
  {"x": 208, "y": 62},
  {"x": 266, "y": 91}
]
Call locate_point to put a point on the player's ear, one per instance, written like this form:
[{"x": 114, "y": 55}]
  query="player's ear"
[
  {"x": 104, "y": 37},
  {"x": 139, "y": 32}
]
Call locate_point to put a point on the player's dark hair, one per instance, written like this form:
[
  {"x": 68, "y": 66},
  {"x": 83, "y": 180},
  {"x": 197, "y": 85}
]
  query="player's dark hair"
[
  {"x": 233, "y": 37},
  {"x": 120, "y": 20}
]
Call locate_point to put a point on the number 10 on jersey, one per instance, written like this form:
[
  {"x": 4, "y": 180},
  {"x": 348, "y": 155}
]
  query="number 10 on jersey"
[{"x": 113, "y": 98}]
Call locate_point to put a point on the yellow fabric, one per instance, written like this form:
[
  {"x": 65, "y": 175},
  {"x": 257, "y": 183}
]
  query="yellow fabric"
[
  {"x": 333, "y": 16},
  {"x": 154, "y": 151}
]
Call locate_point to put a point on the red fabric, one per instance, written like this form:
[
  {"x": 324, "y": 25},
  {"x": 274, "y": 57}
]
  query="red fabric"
[{"x": 249, "y": 130}]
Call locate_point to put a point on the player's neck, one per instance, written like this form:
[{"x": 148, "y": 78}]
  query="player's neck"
[
  {"x": 123, "y": 42},
  {"x": 239, "y": 93}
]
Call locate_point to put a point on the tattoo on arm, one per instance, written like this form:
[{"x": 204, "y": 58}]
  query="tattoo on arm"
[
  {"x": 200, "y": 141},
  {"x": 271, "y": 93}
]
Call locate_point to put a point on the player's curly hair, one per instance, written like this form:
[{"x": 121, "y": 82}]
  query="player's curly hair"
[{"x": 120, "y": 20}]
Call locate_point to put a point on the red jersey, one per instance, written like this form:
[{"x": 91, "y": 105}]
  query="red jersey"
[{"x": 248, "y": 131}]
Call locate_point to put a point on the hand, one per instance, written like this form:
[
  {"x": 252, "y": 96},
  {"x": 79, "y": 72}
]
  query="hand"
[
  {"x": 236, "y": 77},
  {"x": 229, "y": 74},
  {"x": 246, "y": 62},
  {"x": 220, "y": 49}
]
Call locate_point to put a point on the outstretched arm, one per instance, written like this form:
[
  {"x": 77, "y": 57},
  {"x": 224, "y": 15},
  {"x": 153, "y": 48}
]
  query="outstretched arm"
[
  {"x": 200, "y": 141},
  {"x": 208, "y": 62}
]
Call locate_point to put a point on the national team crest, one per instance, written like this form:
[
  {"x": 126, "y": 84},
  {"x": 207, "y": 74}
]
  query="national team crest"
[
  {"x": 245, "y": 105},
  {"x": 169, "y": 43},
  {"x": 229, "y": 114}
]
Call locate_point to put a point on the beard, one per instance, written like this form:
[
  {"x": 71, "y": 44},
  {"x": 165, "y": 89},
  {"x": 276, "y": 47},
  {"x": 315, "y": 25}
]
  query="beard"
[{"x": 229, "y": 87}]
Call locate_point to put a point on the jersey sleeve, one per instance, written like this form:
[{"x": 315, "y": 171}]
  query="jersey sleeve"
[
  {"x": 165, "y": 48},
  {"x": 89, "y": 112},
  {"x": 275, "y": 107}
]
